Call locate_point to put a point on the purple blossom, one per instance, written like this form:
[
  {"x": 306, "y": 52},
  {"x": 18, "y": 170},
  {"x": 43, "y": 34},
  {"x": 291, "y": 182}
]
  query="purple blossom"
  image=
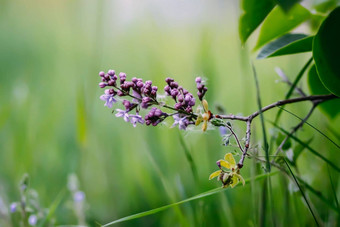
[
  {"x": 79, "y": 196},
  {"x": 32, "y": 220},
  {"x": 223, "y": 130},
  {"x": 182, "y": 122},
  {"x": 108, "y": 97},
  {"x": 13, "y": 207},
  {"x": 123, "y": 114},
  {"x": 134, "y": 119}
]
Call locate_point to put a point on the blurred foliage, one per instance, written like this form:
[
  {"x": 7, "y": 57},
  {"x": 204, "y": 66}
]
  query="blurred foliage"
[{"x": 52, "y": 122}]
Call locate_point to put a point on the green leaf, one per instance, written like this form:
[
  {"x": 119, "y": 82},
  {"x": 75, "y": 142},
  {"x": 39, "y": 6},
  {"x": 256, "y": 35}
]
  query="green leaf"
[
  {"x": 331, "y": 107},
  {"x": 254, "y": 12},
  {"x": 287, "y": 44},
  {"x": 326, "y": 52},
  {"x": 325, "y": 5},
  {"x": 199, "y": 196},
  {"x": 286, "y": 5},
  {"x": 279, "y": 22}
]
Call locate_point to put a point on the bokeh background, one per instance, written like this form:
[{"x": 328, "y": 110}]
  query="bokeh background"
[{"x": 53, "y": 124}]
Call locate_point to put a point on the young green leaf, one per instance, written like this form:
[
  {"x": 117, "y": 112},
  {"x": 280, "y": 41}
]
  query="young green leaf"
[
  {"x": 287, "y": 44},
  {"x": 254, "y": 13},
  {"x": 326, "y": 49},
  {"x": 279, "y": 22},
  {"x": 331, "y": 107},
  {"x": 286, "y": 5}
]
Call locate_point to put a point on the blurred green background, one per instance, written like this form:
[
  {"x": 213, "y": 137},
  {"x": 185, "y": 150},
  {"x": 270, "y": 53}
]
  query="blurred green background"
[{"x": 52, "y": 122}]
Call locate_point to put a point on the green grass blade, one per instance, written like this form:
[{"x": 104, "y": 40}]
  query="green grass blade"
[
  {"x": 188, "y": 157},
  {"x": 292, "y": 88},
  {"x": 199, "y": 196},
  {"x": 308, "y": 148},
  {"x": 54, "y": 206},
  {"x": 323, "y": 134},
  {"x": 265, "y": 143},
  {"x": 319, "y": 195},
  {"x": 333, "y": 188},
  {"x": 302, "y": 193}
]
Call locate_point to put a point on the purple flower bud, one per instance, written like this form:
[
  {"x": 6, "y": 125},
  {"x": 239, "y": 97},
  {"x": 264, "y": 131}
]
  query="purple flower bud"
[
  {"x": 102, "y": 84},
  {"x": 198, "y": 80},
  {"x": 158, "y": 113},
  {"x": 155, "y": 88},
  {"x": 180, "y": 98},
  {"x": 120, "y": 93},
  {"x": 122, "y": 77},
  {"x": 187, "y": 98},
  {"x": 188, "y": 109},
  {"x": 111, "y": 91},
  {"x": 146, "y": 102},
  {"x": 167, "y": 88},
  {"x": 192, "y": 102},
  {"x": 101, "y": 74},
  {"x": 107, "y": 77},
  {"x": 174, "y": 92},
  {"x": 134, "y": 80},
  {"x": 178, "y": 106},
  {"x": 200, "y": 86},
  {"x": 126, "y": 104},
  {"x": 147, "y": 122},
  {"x": 154, "y": 93},
  {"x": 140, "y": 84},
  {"x": 111, "y": 83},
  {"x": 185, "y": 92},
  {"x": 148, "y": 82},
  {"x": 111, "y": 72},
  {"x": 174, "y": 84},
  {"x": 168, "y": 80}
]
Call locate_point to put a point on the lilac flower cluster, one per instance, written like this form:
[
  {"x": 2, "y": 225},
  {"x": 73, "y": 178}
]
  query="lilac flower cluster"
[
  {"x": 184, "y": 100},
  {"x": 143, "y": 95},
  {"x": 202, "y": 89}
]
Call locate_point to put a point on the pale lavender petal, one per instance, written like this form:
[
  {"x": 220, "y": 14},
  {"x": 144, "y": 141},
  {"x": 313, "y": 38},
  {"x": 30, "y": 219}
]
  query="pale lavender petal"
[{"x": 32, "y": 220}]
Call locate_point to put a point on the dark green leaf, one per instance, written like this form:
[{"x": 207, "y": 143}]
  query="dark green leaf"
[
  {"x": 287, "y": 44},
  {"x": 254, "y": 13},
  {"x": 326, "y": 52},
  {"x": 279, "y": 22},
  {"x": 286, "y": 5},
  {"x": 331, "y": 107}
]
